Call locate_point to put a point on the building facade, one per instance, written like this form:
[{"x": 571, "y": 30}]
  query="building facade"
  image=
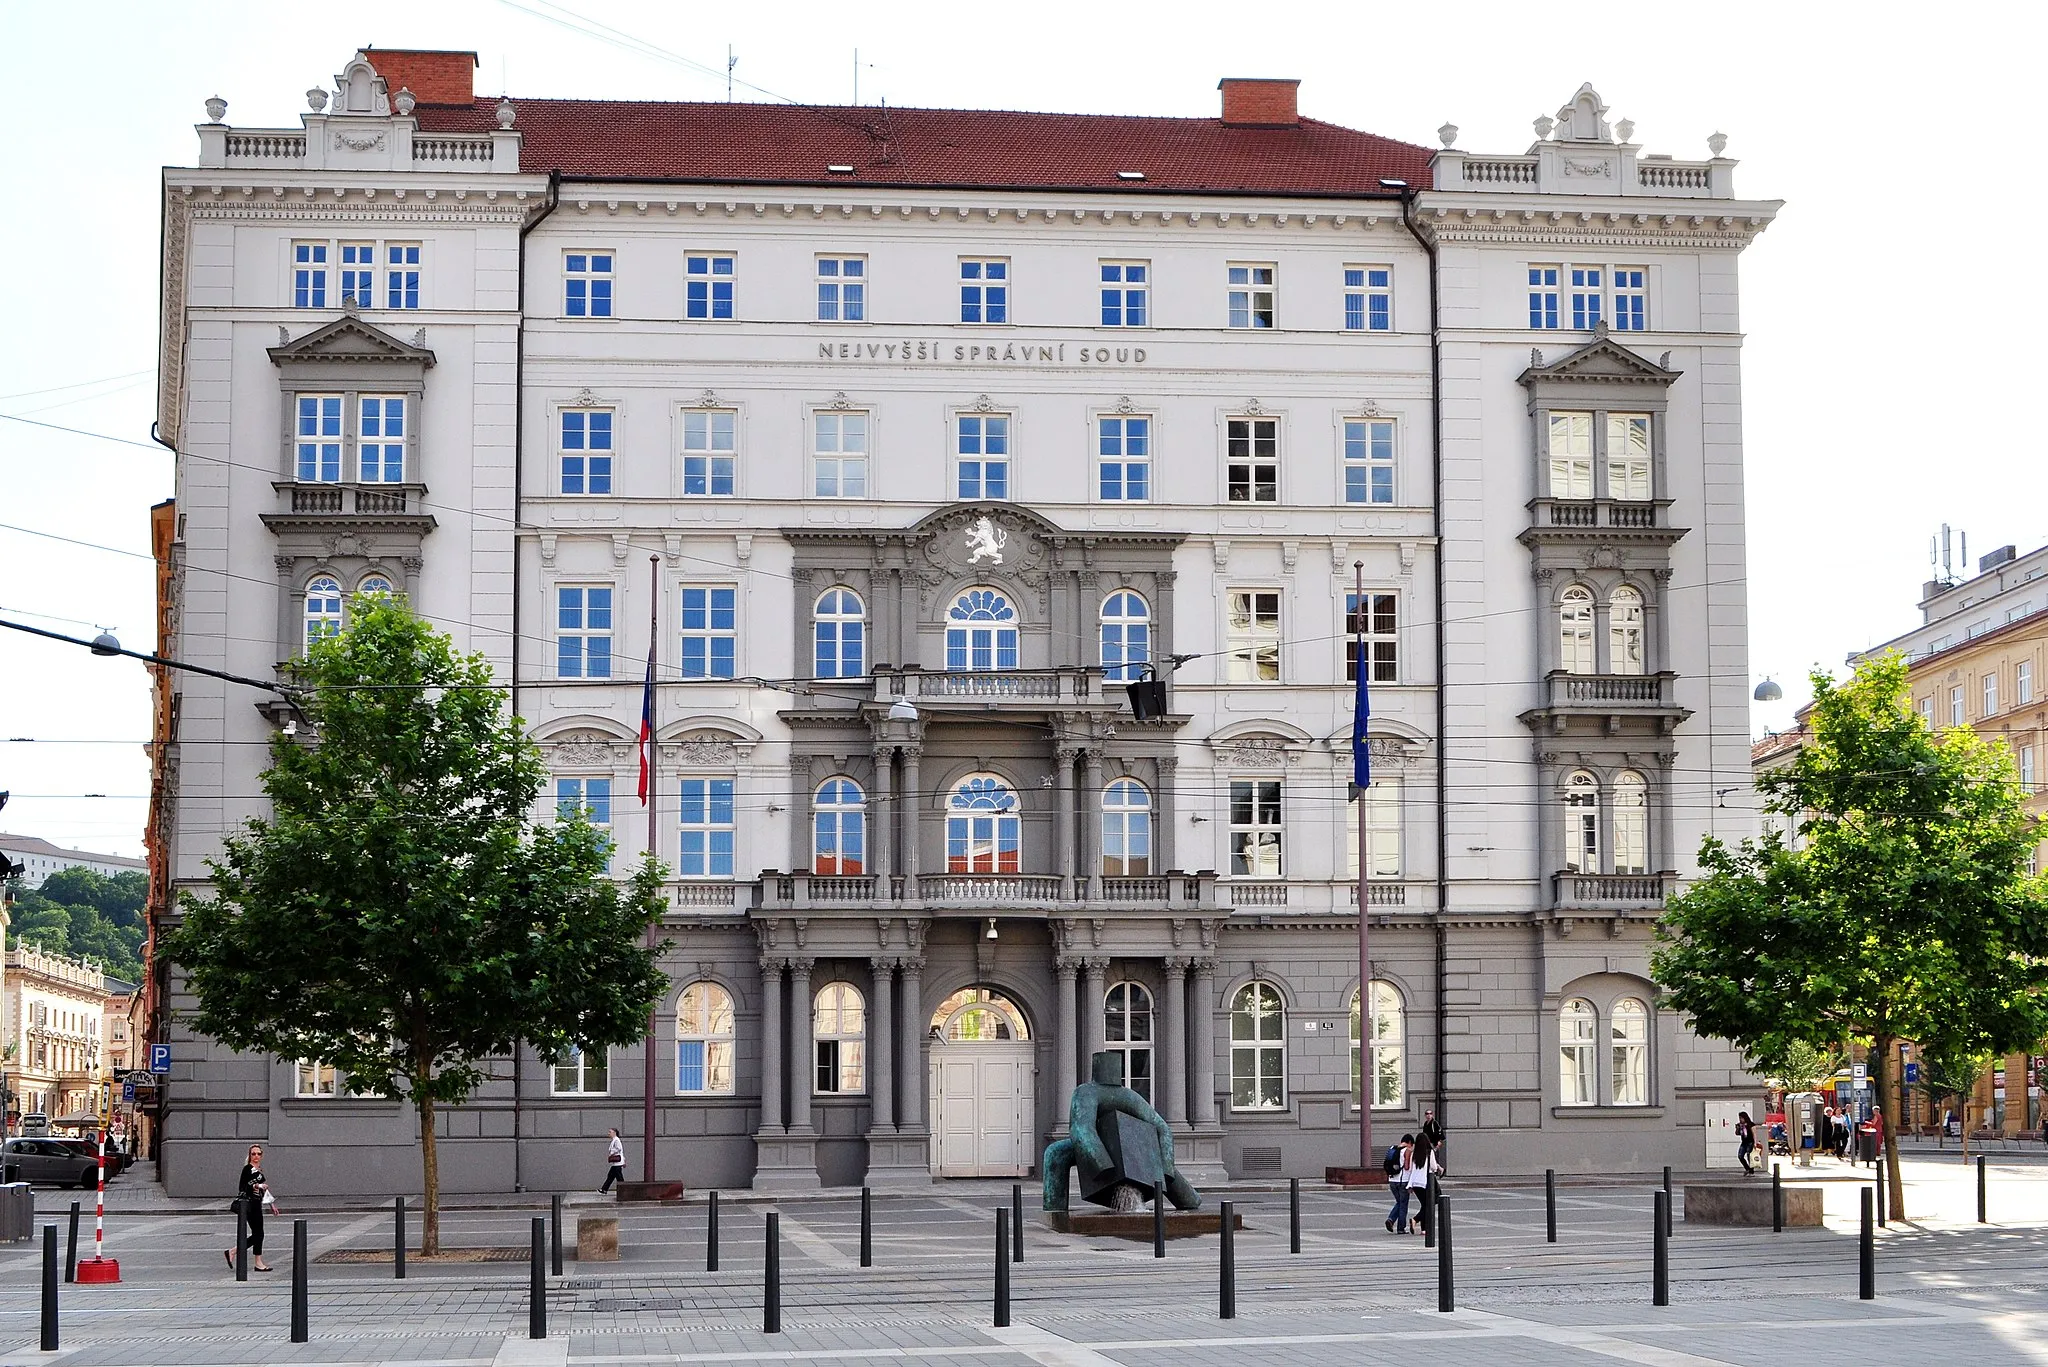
[
  {"x": 39, "y": 859},
  {"x": 53, "y": 1020},
  {"x": 913, "y": 436}
]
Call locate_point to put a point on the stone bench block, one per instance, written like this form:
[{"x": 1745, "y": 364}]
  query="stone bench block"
[{"x": 1749, "y": 1203}]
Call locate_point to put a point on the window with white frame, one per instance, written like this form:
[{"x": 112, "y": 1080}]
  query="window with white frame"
[
  {"x": 1382, "y": 1052},
  {"x": 590, "y": 796},
  {"x": 380, "y": 438},
  {"x": 317, "y": 439},
  {"x": 839, "y": 454},
  {"x": 1631, "y": 300},
  {"x": 1374, "y": 619},
  {"x": 839, "y": 1029},
  {"x": 704, "y": 1041},
  {"x": 1631, "y": 823},
  {"x": 1628, "y": 456},
  {"x": 323, "y": 608},
  {"x": 581, "y": 1073},
  {"x": 1570, "y": 447},
  {"x": 1368, "y": 460},
  {"x": 1577, "y": 1027},
  {"x": 587, "y": 284},
  {"x": 839, "y": 827},
  {"x": 1125, "y": 290},
  {"x": 1126, "y": 829},
  {"x": 1251, "y": 636},
  {"x": 1256, "y": 829},
  {"x": 2023, "y": 682},
  {"x": 710, "y": 458},
  {"x": 1990, "y": 688},
  {"x": 1575, "y": 630},
  {"x": 1368, "y": 298},
  {"x": 1125, "y": 636},
  {"x": 1252, "y": 451},
  {"x": 583, "y": 631},
  {"x": 586, "y": 451},
  {"x": 401, "y": 275},
  {"x": 1587, "y": 296},
  {"x": 1258, "y": 1049},
  {"x": 984, "y": 290},
  {"x": 1543, "y": 297},
  {"x": 1252, "y": 289},
  {"x": 707, "y": 285},
  {"x": 710, "y": 631},
  {"x": 1123, "y": 446},
  {"x": 705, "y": 819},
  {"x": 1382, "y": 829},
  {"x": 983, "y": 831},
  {"x": 1628, "y": 1023},
  {"x": 981, "y": 632},
  {"x": 842, "y": 289},
  {"x": 359, "y": 275},
  {"x": 1955, "y": 706},
  {"x": 1582, "y": 823},
  {"x": 838, "y": 635},
  {"x": 311, "y": 1078},
  {"x": 309, "y": 275},
  {"x": 1625, "y": 631},
  {"x": 981, "y": 446},
  {"x": 1127, "y": 1033},
  {"x": 2027, "y": 770}
]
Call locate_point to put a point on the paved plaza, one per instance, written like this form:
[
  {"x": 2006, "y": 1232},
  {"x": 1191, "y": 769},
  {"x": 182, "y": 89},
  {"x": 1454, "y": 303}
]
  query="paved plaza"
[{"x": 1948, "y": 1288}]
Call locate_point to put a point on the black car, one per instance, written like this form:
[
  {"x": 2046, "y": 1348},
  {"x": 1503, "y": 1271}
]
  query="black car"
[{"x": 47, "y": 1160}]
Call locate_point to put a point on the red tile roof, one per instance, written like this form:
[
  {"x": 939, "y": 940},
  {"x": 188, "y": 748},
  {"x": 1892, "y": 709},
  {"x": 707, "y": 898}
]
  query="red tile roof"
[{"x": 774, "y": 144}]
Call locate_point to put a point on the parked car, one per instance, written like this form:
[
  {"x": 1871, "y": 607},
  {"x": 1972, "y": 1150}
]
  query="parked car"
[
  {"x": 117, "y": 1162},
  {"x": 47, "y": 1160}
]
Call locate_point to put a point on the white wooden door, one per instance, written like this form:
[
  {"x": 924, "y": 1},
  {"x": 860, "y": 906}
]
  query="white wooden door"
[{"x": 982, "y": 1104}]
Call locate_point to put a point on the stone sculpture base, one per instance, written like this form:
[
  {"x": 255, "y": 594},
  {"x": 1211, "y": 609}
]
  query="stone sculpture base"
[
  {"x": 1749, "y": 1203},
  {"x": 1180, "y": 1224}
]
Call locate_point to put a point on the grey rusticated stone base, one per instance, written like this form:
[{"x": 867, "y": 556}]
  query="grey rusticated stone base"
[{"x": 1748, "y": 1203}]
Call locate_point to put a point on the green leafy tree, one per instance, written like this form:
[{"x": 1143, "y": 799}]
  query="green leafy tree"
[
  {"x": 1803, "y": 1067},
  {"x": 395, "y": 915},
  {"x": 1905, "y": 911},
  {"x": 118, "y": 897}
]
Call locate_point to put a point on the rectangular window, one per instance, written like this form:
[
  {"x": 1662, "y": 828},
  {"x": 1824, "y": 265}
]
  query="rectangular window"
[
  {"x": 709, "y": 458},
  {"x": 380, "y": 439},
  {"x": 839, "y": 455},
  {"x": 583, "y": 631},
  {"x": 2027, "y": 770},
  {"x": 1571, "y": 455},
  {"x": 1368, "y": 460},
  {"x": 1125, "y": 291},
  {"x": 401, "y": 275},
  {"x": 2023, "y": 682},
  {"x": 1628, "y": 456},
  {"x": 1252, "y": 447},
  {"x": 591, "y": 796},
  {"x": 1543, "y": 297},
  {"x": 1368, "y": 298},
  {"x": 707, "y": 286},
  {"x": 706, "y": 849},
  {"x": 587, "y": 284},
  {"x": 581, "y": 1074},
  {"x": 842, "y": 289},
  {"x": 587, "y": 451},
  {"x": 313, "y": 1079},
  {"x": 359, "y": 275},
  {"x": 1382, "y": 632},
  {"x": 309, "y": 275},
  {"x": 982, "y": 443},
  {"x": 1251, "y": 296},
  {"x": 710, "y": 636},
  {"x": 984, "y": 290},
  {"x": 1631, "y": 310},
  {"x": 1586, "y": 296},
  {"x": 318, "y": 441},
  {"x": 1124, "y": 449},
  {"x": 1251, "y": 637},
  {"x": 1927, "y": 710},
  {"x": 1990, "y": 682},
  {"x": 1382, "y": 829},
  {"x": 842, "y": 1066},
  {"x": 1955, "y": 706},
  {"x": 1255, "y": 830}
]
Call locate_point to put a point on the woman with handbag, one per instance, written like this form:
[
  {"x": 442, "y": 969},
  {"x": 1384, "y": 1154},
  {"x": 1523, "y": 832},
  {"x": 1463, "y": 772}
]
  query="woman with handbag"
[{"x": 253, "y": 1191}]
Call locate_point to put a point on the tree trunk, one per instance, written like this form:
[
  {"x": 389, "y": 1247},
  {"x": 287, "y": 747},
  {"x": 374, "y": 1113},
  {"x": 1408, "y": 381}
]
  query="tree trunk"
[
  {"x": 1881, "y": 1051},
  {"x": 430, "y": 1168}
]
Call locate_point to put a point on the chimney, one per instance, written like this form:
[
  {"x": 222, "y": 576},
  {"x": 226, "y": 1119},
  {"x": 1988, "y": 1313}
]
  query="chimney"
[
  {"x": 1253, "y": 102},
  {"x": 432, "y": 77}
]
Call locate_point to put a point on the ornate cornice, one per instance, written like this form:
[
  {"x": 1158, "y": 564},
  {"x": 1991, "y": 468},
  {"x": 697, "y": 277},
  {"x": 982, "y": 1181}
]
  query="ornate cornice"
[{"x": 1557, "y": 226}]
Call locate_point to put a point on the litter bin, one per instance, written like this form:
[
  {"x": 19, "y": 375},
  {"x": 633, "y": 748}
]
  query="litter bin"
[
  {"x": 1866, "y": 1142},
  {"x": 17, "y": 1213}
]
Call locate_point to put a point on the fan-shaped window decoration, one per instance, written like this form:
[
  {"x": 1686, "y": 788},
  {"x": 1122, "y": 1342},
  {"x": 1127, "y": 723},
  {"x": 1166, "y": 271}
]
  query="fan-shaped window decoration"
[
  {"x": 1575, "y": 630},
  {"x": 983, "y": 832},
  {"x": 1625, "y": 631},
  {"x": 704, "y": 1039},
  {"x": 323, "y": 608},
  {"x": 1126, "y": 829},
  {"x": 981, "y": 632},
  {"x": 1582, "y": 823},
  {"x": 839, "y": 828},
  {"x": 839, "y": 1028},
  {"x": 375, "y": 583},
  {"x": 1126, "y": 635},
  {"x": 839, "y": 635},
  {"x": 1631, "y": 823},
  {"x": 1575, "y": 1027},
  {"x": 1258, "y": 1049},
  {"x": 1387, "y": 1029},
  {"x": 1629, "y": 1024},
  {"x": 977, "y": 1015}
]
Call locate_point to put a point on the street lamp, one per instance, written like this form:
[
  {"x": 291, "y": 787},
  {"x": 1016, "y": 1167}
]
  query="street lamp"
[
  {"x": 1768, "y": 691},
  {"x": 903, "y": 709}
]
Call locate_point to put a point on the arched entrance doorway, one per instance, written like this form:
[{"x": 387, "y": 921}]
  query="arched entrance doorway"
[{"x": 981, "y": 1096}]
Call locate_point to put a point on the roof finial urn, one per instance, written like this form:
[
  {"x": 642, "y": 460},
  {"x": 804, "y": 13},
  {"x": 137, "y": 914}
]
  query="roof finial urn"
[
  {"x": 506, "y": 113},
  {"x": 1448, "y": 135},
  {"x": 216, "y": 109},
  {"x": 403, "y": 101},
  {"x": 1718, "y": 143},
  {"x": 316, "y": 99}
]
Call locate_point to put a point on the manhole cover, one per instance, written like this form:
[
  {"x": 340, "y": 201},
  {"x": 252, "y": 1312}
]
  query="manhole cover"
[{"x": 446, "y": 1255}]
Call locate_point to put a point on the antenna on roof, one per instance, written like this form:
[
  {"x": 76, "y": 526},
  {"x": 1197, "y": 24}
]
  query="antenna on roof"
[{"x": 730, "y": 62}]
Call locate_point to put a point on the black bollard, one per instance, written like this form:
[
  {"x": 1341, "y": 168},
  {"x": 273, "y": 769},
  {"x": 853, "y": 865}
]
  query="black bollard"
[
  {"x": 1002, "y": 1318},
  {"x": 555, "y": 1234},
  {"x": 1017, "y": 1222},
  {"x": 71, "y": 1248},
  {"x": 1446, "y": 1287},
  {"x": 771, "y": 1278},
  {"x": 1667, "y": 1200},
  {"x": 1982, "y": 1216},
  {"x": 1226, "y": 1299},
  {"x": 49, "y": 1288},
  {"x": 867, "y": 1230},
  {"x": 537, "y": 1282},
  {"x": 1660, "y": 1251},
  {"x": 711, "y": 1236},
  {"x": 1158, "y": 1223},
  {"x": 1429, "y": 1199},
  {"x": 1294, "y": 1215},
  {"x": 298, "y": 1281},
  {"x": 1777, "y": 1201},
  {"x": 1883, "y": 1204},
  {"x": 1866, "y": 1255},
  {"x": 241, "y": 1239},
  {"x": 398, "y": 1238},
  {"x": 1550, "y": 1205}
]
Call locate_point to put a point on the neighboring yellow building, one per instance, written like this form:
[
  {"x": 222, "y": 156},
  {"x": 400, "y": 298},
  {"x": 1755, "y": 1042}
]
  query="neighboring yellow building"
[{"x": 54, "y": 1018}]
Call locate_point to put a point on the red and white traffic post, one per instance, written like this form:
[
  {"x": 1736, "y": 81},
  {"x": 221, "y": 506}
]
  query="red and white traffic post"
[{"x": 99, "y": 1267}]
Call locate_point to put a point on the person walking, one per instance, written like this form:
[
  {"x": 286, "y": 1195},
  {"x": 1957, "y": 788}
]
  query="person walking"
[
  {"x": 1745, "y": 1141},
  {"x": 615, "y": 1156},
  {"x": 1397, "y": 1182},
  {"x": 1421, "y": 1163},
  {"x": 1432, "y": 1134},
  {"x": 253, "y": 1190}
]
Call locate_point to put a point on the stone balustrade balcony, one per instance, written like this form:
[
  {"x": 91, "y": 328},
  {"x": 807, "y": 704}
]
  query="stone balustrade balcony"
[
  {"x": 990, "y": 893},
  {"x": 1613, "y": 697},
  {"x": 356, "y": 143},
  {"x": 1612, "y": 891},
  {"x": 1574, "y": 168},
  {"x": 1625, "y": 519},
  {"x": 304, "y": 505}
]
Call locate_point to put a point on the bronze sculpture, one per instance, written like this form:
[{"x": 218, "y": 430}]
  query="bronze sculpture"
[{"x": 1122, "y": 1148}]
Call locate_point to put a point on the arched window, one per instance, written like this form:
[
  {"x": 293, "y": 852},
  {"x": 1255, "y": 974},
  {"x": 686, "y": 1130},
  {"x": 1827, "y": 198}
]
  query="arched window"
[
  {"x": 839, "y": 827},
  {"x": 1258, "y": 1049},
  {"x": 1575, "y": 630},
  {"x": 1629, "y": 1024},
  {"x": 375, "y": 583},
  {"x": 1127, "y": 1030},
  {"x": 839, "y": 635},
  {"x": 1631, "y": 823},
  {"x": 1126, "y": 635},
  {"x": 1575, "y": 1024},
  {"x": 1387, "y": 1032},
  {"x": 704, "y": 1041},
  {"x": 1625, "y": 631},
  {"x": 839, "y": 1025},
  {"x": 1582, "y": 823},
  {"x": 983, "y": 832},
  {"x": 981, "y": 632},
  {"x": 975, "y": 1015},
  {"x": 323, "y": 608},
  {"x": 1126, "y": 829}
]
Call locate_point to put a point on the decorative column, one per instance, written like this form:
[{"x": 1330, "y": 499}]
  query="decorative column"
[
  {"x": 913, "y": 810},
  {"x": 801, "y": 795},
  {"x": 291, "y": 608},
  {"x": 910, "y": 1062},
  {"x": 1091, "y": 820},
  {"x": 882, "y": 1047},
  {"x": 881, "y": 820},
  {"x": 1063, "y": 825},
  {"x": 1091, "y": 1009},
  {"x": 1204, "y": 1035},
  {"x": 1064, "y": 1042},
  {"x": 1163, "y": 809},
  {"x": 1173, "y": 1063},
  {"x": 771, "y": 1044},
  {"x": 803, "y": 1051}
]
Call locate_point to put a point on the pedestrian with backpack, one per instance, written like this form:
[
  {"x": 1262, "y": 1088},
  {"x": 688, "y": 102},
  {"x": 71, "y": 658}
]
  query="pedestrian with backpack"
[
  {"x": 1421, "y": 1164},
  {"x": 1396, "y": 1166}
]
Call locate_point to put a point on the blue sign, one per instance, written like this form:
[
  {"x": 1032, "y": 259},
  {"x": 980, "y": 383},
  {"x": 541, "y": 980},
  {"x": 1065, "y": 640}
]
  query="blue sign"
[
  {"x": 159, "y": 1058},
  {"x": 127, "y": 1091},
  {"x": 1912, "y": 1072}
]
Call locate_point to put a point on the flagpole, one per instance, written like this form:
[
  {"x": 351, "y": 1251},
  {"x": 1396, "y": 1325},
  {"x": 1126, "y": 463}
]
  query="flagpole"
[
  {"x": 1361, "y": 767},
  {"x": 654, "y": 850}
]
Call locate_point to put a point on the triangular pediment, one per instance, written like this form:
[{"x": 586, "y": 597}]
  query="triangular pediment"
[
  {"x": 349, "y": 338},
  {"x": 1602, "y": 359}
]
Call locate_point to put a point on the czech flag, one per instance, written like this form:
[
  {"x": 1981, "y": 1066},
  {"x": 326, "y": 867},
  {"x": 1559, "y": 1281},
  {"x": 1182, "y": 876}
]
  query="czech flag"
[{"x": 647, "y": 724}]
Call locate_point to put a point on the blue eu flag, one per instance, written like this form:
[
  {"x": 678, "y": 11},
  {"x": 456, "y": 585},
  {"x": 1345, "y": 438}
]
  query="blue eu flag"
[{"x": 1361, "y": 757}]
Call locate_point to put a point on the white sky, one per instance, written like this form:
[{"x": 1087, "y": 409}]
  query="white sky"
[{"x": 1883, "y": 346}]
